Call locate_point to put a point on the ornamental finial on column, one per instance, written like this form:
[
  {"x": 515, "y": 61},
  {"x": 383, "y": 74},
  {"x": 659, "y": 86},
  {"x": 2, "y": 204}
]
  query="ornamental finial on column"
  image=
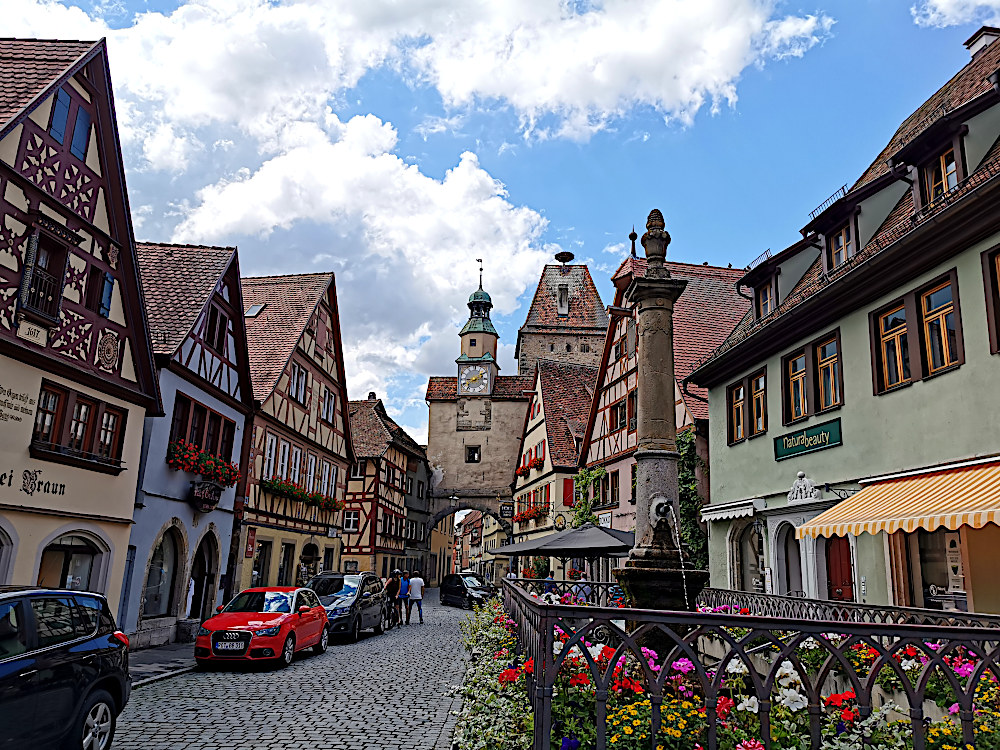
[{"x": 655, "y": 242}]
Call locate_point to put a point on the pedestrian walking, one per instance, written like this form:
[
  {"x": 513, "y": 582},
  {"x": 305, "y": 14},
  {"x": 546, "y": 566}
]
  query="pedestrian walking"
[
  {"x": 392, "y": 589},
  {"x": 403, "y": 596},
  {"x": 416, "y": 596}
]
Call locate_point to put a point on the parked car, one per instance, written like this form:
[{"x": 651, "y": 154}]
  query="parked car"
[
  {"x": 465, "y": 590},
  {"x": 353, "y": 601},
  {"x": 264, "y": 623},
  {"x": 63, "y": 669}
]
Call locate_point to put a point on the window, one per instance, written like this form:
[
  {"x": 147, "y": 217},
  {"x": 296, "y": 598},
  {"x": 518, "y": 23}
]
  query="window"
[
  {"x": 80, "y": 425},
  {"x": 619, "y": 350},
  {"x": 828, "y": 365},
  {"x": 329, "y": 405},
  {"x": 940, "y": 333},
  {"x": 991, "y": 278},
  {"x": 472, "y": 342},
  {"x": 941, "y": 175},
  {"x": 81, "y": 134},
  {"x": 614, "y": 488},
  {"x": 409, "y": 486},
  {"x": 270, "y": 448},
  {"x": 839, "y": 247},
  {"x": 562, "y": 301},
  {"x": 333, "y": 479},
  {"x": 109, "y": 436},
  {"x": 472, "y": 454},
  {"x": 737, "y": 412},
  {"x": 797, "y": 400},
  {"x": 283, "y": 459},
  {"x": 42, "y": 281},
  {"x": 12, "y": 625},
  {"x": 584, "y": 348},
  {"x": 53, "y": 621},
  {"x": 324, "y": 482},
  {"x": 48, "y": 415},
  {"x": 758, "y": 404},
  {"x": 254, "y": 310},
  {"x": 358, "y": 470},
  {"x": 199, "y": 425},
  {"x": 917, "y": 336},
  {"x": 295, "y": 468},
  {"x": 618, "y": 415},
  {"x": 74, "y": 429},
  {"x": 100, "y": 290},
  {"x": 311, "y": 473},
  {"x": 297, "y": 383},
  {"x": 420, "y": 489},
  {"x": 60, "y": 116},
  {"x": 218, "y": 325},
  {"x": 764, "y": 299}
]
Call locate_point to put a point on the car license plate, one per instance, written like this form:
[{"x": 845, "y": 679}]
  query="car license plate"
[{"x": 230, "y": 646}]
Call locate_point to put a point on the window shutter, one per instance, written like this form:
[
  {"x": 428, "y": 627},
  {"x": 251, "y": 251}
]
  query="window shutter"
[
  {"x": 631, "y": 336},
  {"x": 81, "y": 134},
  {"x": 569, "y": 497},
  {"x": 107, "y": 291},
  {"x": 60, "y": 116}
]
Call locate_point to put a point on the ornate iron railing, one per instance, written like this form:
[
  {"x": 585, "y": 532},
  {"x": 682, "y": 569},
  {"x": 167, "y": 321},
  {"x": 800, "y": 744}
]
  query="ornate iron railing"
[
  {"x": 43, "y": 293},
  {"x": 586, "y": 593},
  {"x": 712, "y": 680},
  {"x": 841, "y": 192},
  {"x": 797, "y": 608}
]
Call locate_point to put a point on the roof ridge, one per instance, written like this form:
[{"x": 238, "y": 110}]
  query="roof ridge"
[
  {"x": 51, "y": 40},
  {"x": 315, "y": 274},
  {"x": 149, "y": 243}
]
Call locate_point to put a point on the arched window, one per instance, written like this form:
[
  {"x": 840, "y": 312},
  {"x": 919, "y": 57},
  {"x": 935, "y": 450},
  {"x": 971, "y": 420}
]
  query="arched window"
[
  {"x": 748, "y": 560},
  {"x": 68, "y": 562},
  {"x": 158, "y": 596}
]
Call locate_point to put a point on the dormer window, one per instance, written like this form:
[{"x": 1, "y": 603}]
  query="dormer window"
[
  {"x": 940, "y": 175},
  {"x": 764, "y": 299},
  {"x": 839, "y": 247}
]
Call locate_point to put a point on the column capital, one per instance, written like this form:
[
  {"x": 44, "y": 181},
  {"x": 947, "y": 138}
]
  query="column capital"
[{"x": 646, "y": 290}]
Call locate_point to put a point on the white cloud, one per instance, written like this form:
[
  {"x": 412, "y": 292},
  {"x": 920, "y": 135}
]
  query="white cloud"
[
  {"x": 434, "y": 125},
  {"x": 954, "y": 12}
]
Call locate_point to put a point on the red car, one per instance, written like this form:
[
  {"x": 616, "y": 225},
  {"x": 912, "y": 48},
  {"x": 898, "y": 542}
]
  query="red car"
[{"x": 264, "y": 623}]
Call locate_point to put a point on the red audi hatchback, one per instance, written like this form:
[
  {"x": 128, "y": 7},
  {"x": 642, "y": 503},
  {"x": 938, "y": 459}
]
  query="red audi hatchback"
[{"x": 264, "y": 623}]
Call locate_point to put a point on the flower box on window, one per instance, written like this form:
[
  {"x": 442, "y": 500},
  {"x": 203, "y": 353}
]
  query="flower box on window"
[
  {"x": 536, "y": 463},
  {"x": 294, "y": 491},
  {"x": 522, "y": 471},
  {"x": 185, "y": 456}
]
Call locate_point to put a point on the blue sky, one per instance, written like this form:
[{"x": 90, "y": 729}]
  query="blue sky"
[{"x": 394, "y": 143}]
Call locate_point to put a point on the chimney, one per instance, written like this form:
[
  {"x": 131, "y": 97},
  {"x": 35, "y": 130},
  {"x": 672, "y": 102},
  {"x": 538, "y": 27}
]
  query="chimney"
[
  {"x": 982, "y": 39},
  {"x": 371, "y": 396}
]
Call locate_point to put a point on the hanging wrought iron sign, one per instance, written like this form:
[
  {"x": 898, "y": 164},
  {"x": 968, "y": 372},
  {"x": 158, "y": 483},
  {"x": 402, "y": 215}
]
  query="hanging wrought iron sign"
[{"x": 204, "y": 496}]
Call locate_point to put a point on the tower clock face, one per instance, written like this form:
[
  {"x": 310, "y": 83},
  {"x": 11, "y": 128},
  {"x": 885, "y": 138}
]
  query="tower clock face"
[{"x": 474, "y": 379}]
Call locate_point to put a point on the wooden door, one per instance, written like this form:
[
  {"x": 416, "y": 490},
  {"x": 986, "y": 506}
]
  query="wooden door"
[{"x": 840, "y": 581}]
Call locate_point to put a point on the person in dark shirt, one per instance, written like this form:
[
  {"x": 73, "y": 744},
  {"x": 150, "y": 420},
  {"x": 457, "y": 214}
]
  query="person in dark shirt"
[{"x": 392, "y": 590}]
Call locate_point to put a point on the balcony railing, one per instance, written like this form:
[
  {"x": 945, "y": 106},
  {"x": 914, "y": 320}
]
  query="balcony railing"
[
  {"x": 715, "y": 680},
  {"x": 82, "y": 459},
  {"x": 43, "y": 294}
]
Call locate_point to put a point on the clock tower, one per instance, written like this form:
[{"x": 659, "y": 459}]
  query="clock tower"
[{"x": 477, "y": 365}]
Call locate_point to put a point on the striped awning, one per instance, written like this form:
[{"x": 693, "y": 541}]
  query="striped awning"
[{"x": 965, "y": 496}]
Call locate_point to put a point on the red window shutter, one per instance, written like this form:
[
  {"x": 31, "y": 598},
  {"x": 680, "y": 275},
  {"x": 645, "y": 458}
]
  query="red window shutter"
[{"x": 569, "y": 497}]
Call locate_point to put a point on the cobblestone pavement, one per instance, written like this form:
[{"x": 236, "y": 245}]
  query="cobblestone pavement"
[{"x": 387, "y": 692}]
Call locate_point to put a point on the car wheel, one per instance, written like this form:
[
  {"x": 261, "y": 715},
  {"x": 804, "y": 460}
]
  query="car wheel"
[
  {"x": 356, "y": 630},
  {"x": 287, "y": 651},
  {"x": 380, "y": 624},
  {"x": 95, "y": 725},
  {"x": 324, "y": 641},
  {"x": 467, "y": 602}
]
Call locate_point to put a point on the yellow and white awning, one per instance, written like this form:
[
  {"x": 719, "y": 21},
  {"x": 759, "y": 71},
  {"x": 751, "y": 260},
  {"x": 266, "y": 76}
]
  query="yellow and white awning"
[{"x": 964, "y": 496}]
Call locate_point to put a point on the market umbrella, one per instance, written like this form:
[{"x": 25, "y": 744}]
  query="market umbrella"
[{"x": 587, "y": 541}]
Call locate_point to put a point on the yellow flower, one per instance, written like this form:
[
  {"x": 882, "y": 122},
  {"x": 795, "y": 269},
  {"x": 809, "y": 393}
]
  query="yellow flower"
[
  {"x": 671, "y": 717},
  {"x": 636, "y": 722},
  {"x": 627, "y": 730},
  {"x": 681, "y": 723}
]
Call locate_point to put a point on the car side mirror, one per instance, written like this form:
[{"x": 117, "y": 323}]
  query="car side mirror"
[
  {"x": 304, "y": 608},
  {"x": 220, "y": 608}
]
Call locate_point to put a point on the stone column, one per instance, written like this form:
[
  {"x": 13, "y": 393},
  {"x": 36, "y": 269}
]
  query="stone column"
[{"x": 655, "y": 575}]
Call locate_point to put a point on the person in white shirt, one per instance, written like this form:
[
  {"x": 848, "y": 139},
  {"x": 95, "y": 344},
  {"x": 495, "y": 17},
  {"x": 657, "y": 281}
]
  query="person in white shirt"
[{"x": 416, "y": 596}]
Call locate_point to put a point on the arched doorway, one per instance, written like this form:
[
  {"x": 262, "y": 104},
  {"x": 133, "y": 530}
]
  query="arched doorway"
[
  {"x": 158, "y": 596},
  {"x": 204, "y": 572},
  {"x": 749, "y": 551},
  {"x": 69, "y": 561},
  {"x": 791, "y": 561},
  {"x": 309, "y": 560}
]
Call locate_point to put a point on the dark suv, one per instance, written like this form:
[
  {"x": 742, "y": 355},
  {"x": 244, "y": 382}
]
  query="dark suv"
[
  {"x": 63, "y": 669},
  {"x": 465, "y": 589},
  {"x": 353, "y": 601}
]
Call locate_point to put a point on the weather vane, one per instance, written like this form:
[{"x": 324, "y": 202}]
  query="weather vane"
[{"x": 480, "y": 262}]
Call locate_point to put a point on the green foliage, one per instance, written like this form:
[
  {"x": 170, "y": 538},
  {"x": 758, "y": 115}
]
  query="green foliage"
[
  {"x": 690, "y": 501},
  {"x": 582, "y": 507}
]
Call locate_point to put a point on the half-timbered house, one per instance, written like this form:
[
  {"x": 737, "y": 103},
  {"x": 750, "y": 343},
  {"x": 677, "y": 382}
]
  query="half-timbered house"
[
  {"x": 76, "y": 371},
  {"x": 389, "y": 462},
  {"x": 298, "y": 450},
  {"x": 190, "y": 459},
  {"x": 550, "y": 445},
  {"x": 705, "y": 314}
]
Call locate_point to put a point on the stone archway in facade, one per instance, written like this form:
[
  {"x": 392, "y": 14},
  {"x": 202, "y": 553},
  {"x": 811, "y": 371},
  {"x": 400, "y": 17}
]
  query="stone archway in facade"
[
  {"x": 205, "y": 575},
  {"x": 487, "y": 508}
]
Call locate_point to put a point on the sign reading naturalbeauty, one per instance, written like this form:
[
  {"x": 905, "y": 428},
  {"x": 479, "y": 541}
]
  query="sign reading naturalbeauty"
[{"x": 815, "y": 438}]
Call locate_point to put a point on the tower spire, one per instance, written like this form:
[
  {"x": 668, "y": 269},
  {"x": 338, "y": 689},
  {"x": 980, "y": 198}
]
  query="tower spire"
[{"x": 480, "y": 262}]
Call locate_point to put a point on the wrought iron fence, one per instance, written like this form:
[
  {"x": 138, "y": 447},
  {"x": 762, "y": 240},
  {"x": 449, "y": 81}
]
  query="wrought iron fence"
[
  {"x": 797, "y": 608},
  {"x": 687, "y": 680}
]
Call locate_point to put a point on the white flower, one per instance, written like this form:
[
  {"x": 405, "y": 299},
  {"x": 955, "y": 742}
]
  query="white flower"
[
  {"x": 810, "y": 644},
  {"x": 792, "y": 699},
  {"x": 909, "y": 664},
  {"x": 736, "y": 667},
  {"x": 787, "y": 676},
  {"x": 749, "y": 704}
]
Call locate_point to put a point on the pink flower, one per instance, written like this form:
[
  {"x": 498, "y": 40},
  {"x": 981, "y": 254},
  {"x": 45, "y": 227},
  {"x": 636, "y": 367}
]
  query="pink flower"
[
  {"x": 964, "y": 670},
  {"x": 750, "y": 745},
  {"x": 953, "y": 708},
  {"x": 682, "y": 665}
]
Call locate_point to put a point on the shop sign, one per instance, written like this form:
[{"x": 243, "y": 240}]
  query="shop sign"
[
  {"x": 816, "y": 438},
  {"x": 507, "y": 510},
  {"x": 204, "y": 496},
  {"x": 251, "y": 542},
  {"x": 604, "y": 520}
]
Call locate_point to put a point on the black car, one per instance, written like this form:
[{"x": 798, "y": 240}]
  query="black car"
[
  {"x": 353, "y": 601},
  {"x": 465, "y": 589},
  {"x": 63, "y": 669}
]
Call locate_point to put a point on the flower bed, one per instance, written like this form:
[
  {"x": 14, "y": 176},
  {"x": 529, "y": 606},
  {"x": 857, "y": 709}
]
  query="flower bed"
[
  {"x": 497, "y": 714},
  {"x": 185, "y": 456},
  {"x": 295, "y": 491}
]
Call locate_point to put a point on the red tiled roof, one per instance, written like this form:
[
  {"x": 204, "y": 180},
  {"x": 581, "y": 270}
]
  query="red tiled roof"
[
  {"x": 29, "y": 66},
  {"x": 272, "y": 335},
  {"x": 567, "y": 392},
  {"x": 970, "y": 82},
  {"x": 374, "y": 431},
  {"x": 704, "y": 315},
  {"x": 506, "y": 387},
  {"x": 177, "y": 281},
  {"x": 585, "y": 307}
]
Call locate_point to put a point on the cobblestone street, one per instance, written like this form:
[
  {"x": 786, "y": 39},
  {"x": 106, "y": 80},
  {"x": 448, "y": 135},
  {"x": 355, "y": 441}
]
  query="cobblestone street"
[{"x": 384, "y": 692}]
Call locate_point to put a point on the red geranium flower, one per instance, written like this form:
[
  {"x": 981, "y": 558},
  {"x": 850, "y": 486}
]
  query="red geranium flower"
[
  {"x": 579, "y": 680},
  {"x": 508, "y": 675},
  {"x": 724, "y": 706},
  {"x": 847, "y": 715},
  {"x": 529, "y": 666}
]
